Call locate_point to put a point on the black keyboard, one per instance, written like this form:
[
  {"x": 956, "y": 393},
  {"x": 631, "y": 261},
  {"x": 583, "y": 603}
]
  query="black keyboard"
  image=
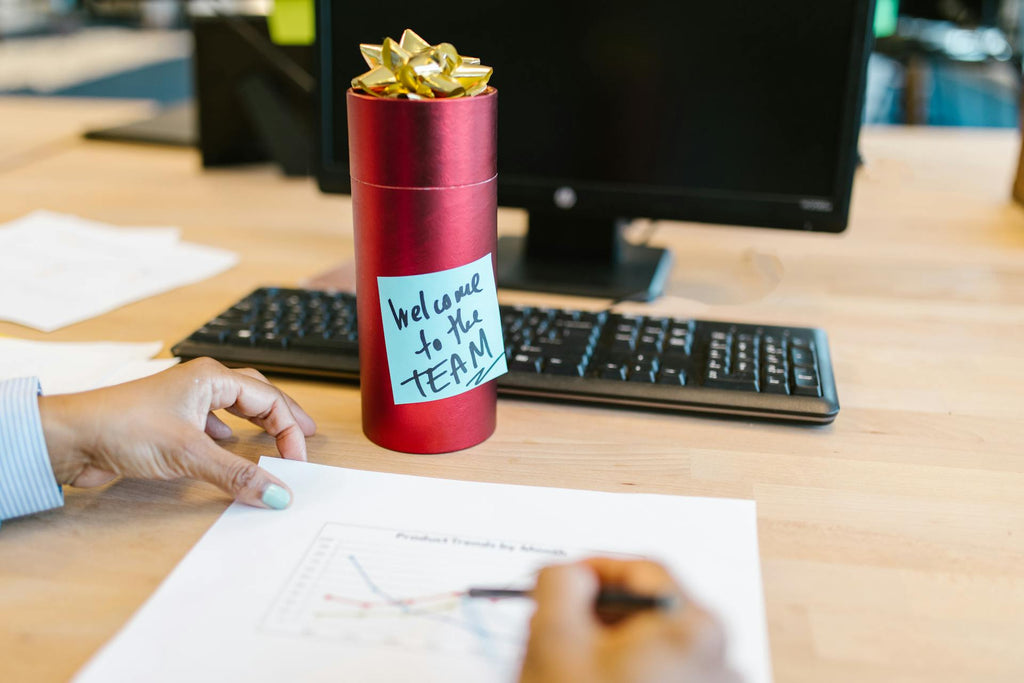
[{"x": 781, "y": 373}]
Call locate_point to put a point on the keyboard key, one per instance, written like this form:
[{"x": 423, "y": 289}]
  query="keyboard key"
[
  {"x": 232, "y": 316},
  {"x": 556, "y": 365},
  {"x": 611, "y": 371},
  {"x": 623, "y": 342},
  {"x": 744, "y": 367},
  {"x": 539, "y": 317},
  {"x": 672, "y": 376},
  {"x": 715, "y": 381},
  {"x": 643, "y": 366},
  {"x": 591, "y": 317},
  {"x": 678, "y": 362},
  {"x": 550, "y": 345},
  {"x": 620, "y": 319},
  {"x": 239, "y": 338},
  {"x": 271, "y": 340},
  {"x": 638, "y": 375},
  {"x": 648, "y": 343},
  {"x": 581, "y": 347},
  {"x": 321, "y": 344},
  {"x": 775, "y": 384},
  {"x": 525, "y": 362},
  {"x": 209, "y": 335},
  {"x": 565, "y": 316},
  {"x": 805, "y": 382},
  {"x": 223, "y": 323},
  {"x": 512, "y": 319},
  {"x": 577, "y": 340},
  {"x": 517, "y": 339},
  {"x": 678, "y": 345},
  {"x": 604, "y": 355},
  {"x": 802, "y": 357},
  {"x": 588, "y": 326}
]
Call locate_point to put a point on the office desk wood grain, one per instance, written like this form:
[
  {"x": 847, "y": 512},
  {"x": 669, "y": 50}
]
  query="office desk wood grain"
[
  {"x": 892, "y": 541},
  {"x": 34, "y": 127}
]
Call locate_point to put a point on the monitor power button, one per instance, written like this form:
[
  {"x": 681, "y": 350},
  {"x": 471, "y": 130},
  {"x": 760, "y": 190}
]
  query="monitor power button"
[{"x": 565, "y": 197}]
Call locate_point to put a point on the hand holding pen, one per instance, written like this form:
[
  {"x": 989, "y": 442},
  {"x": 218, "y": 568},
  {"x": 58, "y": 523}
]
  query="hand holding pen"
[
  {"x": 609, "y": 604},
  {"x": 657, "y": 633}
]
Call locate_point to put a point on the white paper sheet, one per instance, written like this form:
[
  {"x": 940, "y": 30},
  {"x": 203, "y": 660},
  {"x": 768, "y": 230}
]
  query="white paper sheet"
[
  {"x": 67, "y": 367},
  {"x": 57, "y": 269},
  {"x": 361, "y": 579}
]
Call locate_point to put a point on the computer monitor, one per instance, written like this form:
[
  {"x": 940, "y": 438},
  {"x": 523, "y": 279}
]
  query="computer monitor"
[
  {"x": 961, "y": 12},
  {"x": 730, "y": 112}
]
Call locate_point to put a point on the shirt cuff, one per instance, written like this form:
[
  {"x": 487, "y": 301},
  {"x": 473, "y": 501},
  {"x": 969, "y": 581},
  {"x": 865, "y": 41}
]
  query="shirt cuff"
[{"x": 27, "y": 483}]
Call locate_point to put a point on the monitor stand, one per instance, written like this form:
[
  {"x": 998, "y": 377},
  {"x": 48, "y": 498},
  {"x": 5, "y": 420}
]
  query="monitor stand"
[
  {"x": 581, "y": 256},
  {"x": 174, "y": 125}
]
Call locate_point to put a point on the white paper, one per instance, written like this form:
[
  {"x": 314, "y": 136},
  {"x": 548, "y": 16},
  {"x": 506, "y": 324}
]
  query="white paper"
[
  {"x": 56, "y": 269},
  {"x": 360, "y": 579},
  {"x": 68, "y": 367}
]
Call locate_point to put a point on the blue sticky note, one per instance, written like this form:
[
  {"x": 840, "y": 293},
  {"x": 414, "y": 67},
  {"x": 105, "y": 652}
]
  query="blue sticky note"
[{"x": 442, "y": 331}]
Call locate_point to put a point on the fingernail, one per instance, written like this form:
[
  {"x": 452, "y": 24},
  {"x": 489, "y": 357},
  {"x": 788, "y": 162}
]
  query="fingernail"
[{"x": 276, "y": 497}]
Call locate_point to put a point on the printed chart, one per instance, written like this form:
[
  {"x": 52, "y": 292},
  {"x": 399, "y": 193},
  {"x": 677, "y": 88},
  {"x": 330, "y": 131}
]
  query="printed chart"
[
  {"x": 364, "y": 578},
  {"x": 388, "y": 588}
]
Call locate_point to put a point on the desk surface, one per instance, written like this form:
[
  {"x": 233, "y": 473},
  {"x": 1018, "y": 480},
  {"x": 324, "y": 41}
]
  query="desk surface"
[{"x": 892, "y": 541}]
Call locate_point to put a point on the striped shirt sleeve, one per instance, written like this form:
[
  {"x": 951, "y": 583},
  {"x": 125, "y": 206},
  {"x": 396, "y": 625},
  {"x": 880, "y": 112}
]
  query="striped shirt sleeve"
[{"x": 27, "y": 484}]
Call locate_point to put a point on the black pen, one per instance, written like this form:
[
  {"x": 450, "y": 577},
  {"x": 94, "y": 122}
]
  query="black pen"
[{"x": 607, "y": 599}]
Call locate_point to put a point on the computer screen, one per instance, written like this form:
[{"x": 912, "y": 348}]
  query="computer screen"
[{"x": 724, "y": 112}]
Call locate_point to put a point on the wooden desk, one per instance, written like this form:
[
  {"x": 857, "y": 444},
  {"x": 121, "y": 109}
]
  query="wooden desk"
[
  {"x": 33, "y": 127},
  {"x": 892, "y": 542}
]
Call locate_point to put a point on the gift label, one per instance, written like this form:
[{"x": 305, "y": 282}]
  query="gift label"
[{"x": 442, "y": 331}]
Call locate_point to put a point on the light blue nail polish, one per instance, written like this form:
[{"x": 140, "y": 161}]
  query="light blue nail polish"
[{"x": 276, "y": 497}]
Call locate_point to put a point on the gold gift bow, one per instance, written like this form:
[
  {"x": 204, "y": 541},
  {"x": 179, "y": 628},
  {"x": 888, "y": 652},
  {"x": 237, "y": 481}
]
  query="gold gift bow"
[{"x": 415, "y": 69}]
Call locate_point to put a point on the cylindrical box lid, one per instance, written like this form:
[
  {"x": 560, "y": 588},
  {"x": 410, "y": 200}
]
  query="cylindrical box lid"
[{"x": 388, "y": 147}]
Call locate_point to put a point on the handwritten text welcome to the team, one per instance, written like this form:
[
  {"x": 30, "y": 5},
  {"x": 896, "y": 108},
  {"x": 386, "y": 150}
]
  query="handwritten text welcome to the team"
[{"x": 446, "y": 333}]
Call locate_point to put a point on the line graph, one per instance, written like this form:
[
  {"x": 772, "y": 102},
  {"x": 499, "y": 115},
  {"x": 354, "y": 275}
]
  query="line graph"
[{"x": 403, "y": 590}]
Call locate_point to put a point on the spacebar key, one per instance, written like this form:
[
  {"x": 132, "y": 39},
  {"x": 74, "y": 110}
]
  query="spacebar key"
[
  {"x": 342, "y": 346},
  {"x": 741, "y": 383}
]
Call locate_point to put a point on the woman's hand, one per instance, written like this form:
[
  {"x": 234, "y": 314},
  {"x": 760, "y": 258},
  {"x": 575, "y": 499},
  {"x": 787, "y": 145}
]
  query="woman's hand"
[
  {"x": 163, "y": 427},
  {"x": 571, "y": 641}
]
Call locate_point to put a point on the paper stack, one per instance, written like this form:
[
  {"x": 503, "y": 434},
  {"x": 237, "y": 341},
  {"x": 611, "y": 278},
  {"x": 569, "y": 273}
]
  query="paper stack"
[
  {"x": 68, "y": 367},
  {"x": 57, "y": 269}
]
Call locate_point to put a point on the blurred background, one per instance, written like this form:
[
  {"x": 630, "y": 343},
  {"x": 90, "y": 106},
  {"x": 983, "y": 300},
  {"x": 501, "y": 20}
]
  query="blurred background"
[{"x": 935, "y": 62}]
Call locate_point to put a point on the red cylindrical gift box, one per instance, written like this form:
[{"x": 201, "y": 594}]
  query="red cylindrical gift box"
[{"x": 424, "y": 199}]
